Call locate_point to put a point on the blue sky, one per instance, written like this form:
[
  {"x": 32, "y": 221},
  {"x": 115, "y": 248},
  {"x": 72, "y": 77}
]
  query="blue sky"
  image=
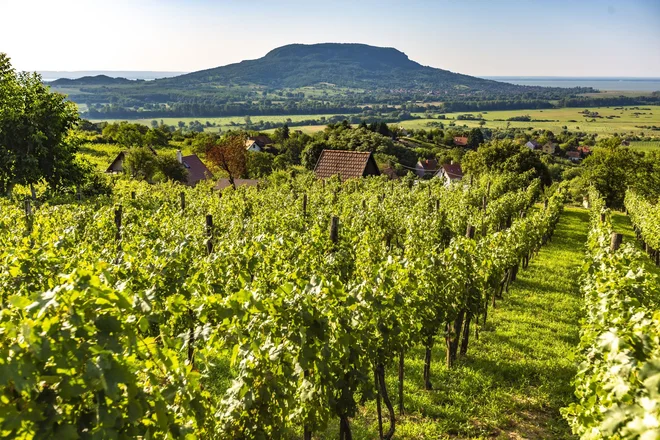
[{"x": 515, "y": 37}]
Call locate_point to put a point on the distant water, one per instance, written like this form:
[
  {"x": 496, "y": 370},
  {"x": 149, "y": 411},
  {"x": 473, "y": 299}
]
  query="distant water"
[{"x": 600, "y": 83}]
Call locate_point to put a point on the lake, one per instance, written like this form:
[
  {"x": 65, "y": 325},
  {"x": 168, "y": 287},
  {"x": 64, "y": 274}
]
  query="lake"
[{"x": 600, "y": 83}]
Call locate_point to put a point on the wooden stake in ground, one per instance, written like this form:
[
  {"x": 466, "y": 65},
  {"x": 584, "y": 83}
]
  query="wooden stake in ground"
[{"x": 616, "y": 241}]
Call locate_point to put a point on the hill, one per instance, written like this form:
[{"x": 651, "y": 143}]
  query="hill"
[
  {"x": 98, "y": 80},
  {"x": 345, "y": 65}
]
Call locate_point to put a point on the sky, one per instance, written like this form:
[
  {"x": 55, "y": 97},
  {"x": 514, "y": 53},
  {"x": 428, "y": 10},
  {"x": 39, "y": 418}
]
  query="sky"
[{"x": 481, "y": 38}]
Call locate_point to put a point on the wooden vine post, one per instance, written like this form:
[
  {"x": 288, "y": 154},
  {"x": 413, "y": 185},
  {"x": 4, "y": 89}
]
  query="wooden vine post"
[
  {"x": 118, "y": 214},
  {"x": 616, "y": 241},
  {"x": 470, "y": 304},
  {"x": 209, "y": 234},
  {"x": 182, "y": 198},
  {"x": 304, "y": 205},
  {"x": 29, "y": 220}
]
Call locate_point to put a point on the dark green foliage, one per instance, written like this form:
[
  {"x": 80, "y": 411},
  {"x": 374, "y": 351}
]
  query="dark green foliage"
[
  {"x": 475, "y": 138},
  {"x": 505, "y": 156},
  {"x": 34, "y": 132},
  {"x": 141, "y": 163},
  {"x": 310, "y": 155},
  {"x": 259, "y": 164},
  {"x": 172, "y": 169},
  {"x": 611, "y": 169}
]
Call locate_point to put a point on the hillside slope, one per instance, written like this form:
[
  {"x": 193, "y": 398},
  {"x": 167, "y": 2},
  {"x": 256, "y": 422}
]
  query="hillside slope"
[{"x": 345, "y": 65}]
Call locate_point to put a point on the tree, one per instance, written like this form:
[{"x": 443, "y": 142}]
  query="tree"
[
  {"x": 311, "y": 153},
  {"x": 505, "y": 156},
  {"x": 172, "y": 169},
  {"x": 156, "y": 137},
  {"x": 141, "y": 163},
  {"x": 230, "y": 156},
  {"x": 475, "y": 138},
  {"x": 259, "y": 164},
  {"x": 611, "y": 169},
  {"x": 34, "y": 133}
]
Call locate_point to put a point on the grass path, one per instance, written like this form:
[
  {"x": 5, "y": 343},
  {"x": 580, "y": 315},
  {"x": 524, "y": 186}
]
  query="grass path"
[{"x": 517, "y": 376}]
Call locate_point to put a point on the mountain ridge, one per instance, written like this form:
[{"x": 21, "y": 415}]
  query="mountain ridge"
[{"x": 351, "y": 65}]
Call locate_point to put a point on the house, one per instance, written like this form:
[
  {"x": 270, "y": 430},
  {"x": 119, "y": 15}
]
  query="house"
[
  {"x": 261, "y": 140},
  {"x": 252, "y": 146},
  {"x": 426, "y": 167},
  {"x": 197, "y": 171},
  {"x": 346, "y": 164},
  {"x": 450, "y": 172},
  {"x": 584, "y": 151},
  {"x": 549, "y": 148},
  {"x": 574, "y": 156},
  {"x": 533, "y": 145},
  {"x": 461, "y": 141},
  {"x": 224, "y": 183},
  {"x": 117, "y": 165}
]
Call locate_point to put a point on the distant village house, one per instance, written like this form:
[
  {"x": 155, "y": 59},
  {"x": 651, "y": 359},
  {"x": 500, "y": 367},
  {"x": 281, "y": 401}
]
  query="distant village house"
[
  {"x": 426, "y": 168},
  {"x": 533, "y": 145},
  {"x": 257, "y": 144},
  {"x": 550, "y": 148},
  {"x": 450, "y": 172},
  {"x": 197, "y": 171},
  {"x": 461, "y": 141}
]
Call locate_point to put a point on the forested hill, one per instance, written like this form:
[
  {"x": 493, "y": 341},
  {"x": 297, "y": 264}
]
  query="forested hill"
[
  {"x": 345, "y": 65},
  {"x": 98, "y": 80},
  {"x": 328, "y": 78}
]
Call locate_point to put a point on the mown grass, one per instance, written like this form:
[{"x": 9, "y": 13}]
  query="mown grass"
[{"x": 518, "y": 375}]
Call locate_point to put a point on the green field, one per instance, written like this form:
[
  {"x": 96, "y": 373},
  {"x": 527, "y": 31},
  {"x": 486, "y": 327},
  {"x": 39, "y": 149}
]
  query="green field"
[
  {"x": 645, "y": 145},
  {"x": 622, "y": 121},
  {"x": 227, "y": 122}
]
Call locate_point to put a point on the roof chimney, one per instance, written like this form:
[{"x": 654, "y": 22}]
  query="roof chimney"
[
  {"x": 452, "y": 162},
  {"x": 179, "y": 156}
]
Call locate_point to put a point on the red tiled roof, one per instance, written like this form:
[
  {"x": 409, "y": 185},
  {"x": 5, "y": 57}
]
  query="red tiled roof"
[
  {"x": 584, "y": 149},
  {"x": 224, "y": 183},
  {"x": 453, "y": 170},
  {"x": 460, "y": 140},
  {"x": 196, "y": 169},
  {"x": 346, "y": 164}
]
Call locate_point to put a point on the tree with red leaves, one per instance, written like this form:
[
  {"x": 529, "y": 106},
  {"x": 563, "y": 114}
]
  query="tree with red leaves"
[{"x": 230, "y": 155}]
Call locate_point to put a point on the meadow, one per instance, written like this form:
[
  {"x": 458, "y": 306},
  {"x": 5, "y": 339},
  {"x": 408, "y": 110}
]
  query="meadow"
[
  {"x": 232, "y": 122},
  {"x": 622, "y": 121}
]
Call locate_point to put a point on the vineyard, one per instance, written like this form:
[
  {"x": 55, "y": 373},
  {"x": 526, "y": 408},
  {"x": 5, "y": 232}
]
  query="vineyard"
[
  {"x": 117, "y": 310},
  {"x": 617, "y": 383}
]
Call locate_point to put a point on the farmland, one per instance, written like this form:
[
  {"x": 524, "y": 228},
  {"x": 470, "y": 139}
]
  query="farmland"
[
  {"x": 626, "y": 121},
  {"x": 231, "y": 122},
  {"x": 623, "y": 122}
]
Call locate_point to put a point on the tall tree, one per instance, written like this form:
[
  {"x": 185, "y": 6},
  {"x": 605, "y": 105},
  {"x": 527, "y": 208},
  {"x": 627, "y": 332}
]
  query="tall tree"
[
  {"x": 229, "y": 155},
  {"x": 475, "y": 138},
  {"x": 612, "y": 168},
  {"x": 34, "y": 132}
]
